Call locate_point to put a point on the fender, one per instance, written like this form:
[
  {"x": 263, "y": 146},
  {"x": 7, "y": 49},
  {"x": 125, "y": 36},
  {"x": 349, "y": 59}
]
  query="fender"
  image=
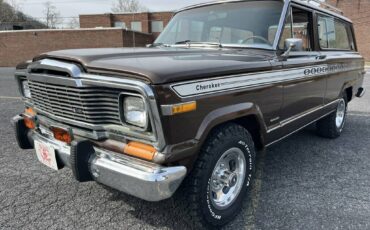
[{"x": 230, "y": 113}]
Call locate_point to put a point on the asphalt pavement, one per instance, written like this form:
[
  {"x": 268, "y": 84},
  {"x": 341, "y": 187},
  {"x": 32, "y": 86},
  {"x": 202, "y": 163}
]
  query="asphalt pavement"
[{"x": 303, "y": 182}]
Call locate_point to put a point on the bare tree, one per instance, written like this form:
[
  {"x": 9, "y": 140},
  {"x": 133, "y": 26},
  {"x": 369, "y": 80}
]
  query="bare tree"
[
  {"x": 74, "y": 23},
  {"x": 129, "y": 6},
  {"x": 9, "y": 11},
  {"x": 11, "y": 15},
  {"x": 52, "y": 16}
]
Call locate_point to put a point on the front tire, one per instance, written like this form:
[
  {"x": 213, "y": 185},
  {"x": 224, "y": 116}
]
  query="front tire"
[
  {"x": 332, "y": 126},
  {"x": 221, "y": 177}
]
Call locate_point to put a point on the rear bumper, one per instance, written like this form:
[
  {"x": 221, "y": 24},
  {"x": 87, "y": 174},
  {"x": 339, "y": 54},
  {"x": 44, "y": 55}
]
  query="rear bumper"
[
  {"x": 136, "y": 177},
  {"x": 361, "y": 92}
]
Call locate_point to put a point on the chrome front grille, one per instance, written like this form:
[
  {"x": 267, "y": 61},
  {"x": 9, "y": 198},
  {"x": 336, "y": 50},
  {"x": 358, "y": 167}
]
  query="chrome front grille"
[{"x": 93, "y": 105}]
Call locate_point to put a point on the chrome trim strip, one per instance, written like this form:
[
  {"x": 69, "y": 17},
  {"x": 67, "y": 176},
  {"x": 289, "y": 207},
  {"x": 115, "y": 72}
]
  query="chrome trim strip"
[
  {"x": 51, "y": 64},
  {"x": 282, "y": 138},
  {"x": 281, "y": 24},
  {"x": 295, "y": 118},
  {"x": 234, "y": 82}
]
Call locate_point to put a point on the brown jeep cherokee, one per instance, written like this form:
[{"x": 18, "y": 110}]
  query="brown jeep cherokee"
[{"x": 223, "y": 80}]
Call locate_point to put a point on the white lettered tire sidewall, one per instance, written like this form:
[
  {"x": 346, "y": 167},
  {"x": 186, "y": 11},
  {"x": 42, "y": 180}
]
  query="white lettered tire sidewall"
[{"x": 217, "y": 216}]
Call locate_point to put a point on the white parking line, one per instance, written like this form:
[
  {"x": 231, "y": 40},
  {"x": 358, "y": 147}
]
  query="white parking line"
[
  {"x": 5, "y": 97},
  {"x": 358, "y": 115}
]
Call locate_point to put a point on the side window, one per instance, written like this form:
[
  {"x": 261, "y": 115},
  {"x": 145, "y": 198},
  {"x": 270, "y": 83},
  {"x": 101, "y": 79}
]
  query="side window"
[
  {"x": 334, "y": 34},
  {"x": 297, "y": 25}
]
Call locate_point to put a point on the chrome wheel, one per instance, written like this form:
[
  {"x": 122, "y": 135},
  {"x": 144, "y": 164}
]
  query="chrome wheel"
[
  {"x": 341, "y": 113},
  {"x": 227, "y": 178}
]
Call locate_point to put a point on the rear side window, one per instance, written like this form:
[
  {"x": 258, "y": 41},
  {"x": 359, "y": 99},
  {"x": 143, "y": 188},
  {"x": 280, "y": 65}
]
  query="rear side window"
[{"x": 334, "y": 34}]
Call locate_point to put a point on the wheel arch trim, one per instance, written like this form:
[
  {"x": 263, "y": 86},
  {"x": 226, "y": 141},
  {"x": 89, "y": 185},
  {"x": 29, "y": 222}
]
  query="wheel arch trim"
[{"x": 231, "y": 113}]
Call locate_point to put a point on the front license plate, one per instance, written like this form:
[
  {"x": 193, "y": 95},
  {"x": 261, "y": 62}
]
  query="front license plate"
[{"x": 46, "y": 154}]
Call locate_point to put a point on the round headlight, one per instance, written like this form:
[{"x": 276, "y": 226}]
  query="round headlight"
[
  {"x": 26, "y": 89},
  {"x": 134, "y": 110}
]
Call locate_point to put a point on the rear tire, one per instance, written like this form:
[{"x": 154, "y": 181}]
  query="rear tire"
[
  {"x": 332, "y": 126},
  {"x": 221, "y": 177}
]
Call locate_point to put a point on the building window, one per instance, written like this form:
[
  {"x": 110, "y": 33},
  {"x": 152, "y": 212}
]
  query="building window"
[
  {"x": 120, "y": 24},
  {"x": 157, "y": 26},
  {"x": 136, "y": 26}
]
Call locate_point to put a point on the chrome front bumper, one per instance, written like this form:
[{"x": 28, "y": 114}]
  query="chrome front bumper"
[{"x": 136, "y": 177}]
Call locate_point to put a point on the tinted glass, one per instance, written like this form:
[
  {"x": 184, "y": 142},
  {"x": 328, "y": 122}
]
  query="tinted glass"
[{"x": 248, "y": 23}]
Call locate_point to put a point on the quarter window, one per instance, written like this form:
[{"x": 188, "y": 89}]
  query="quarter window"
[
  {"x": 333, "y": 34},
  {"x": 136, "y": 26}
]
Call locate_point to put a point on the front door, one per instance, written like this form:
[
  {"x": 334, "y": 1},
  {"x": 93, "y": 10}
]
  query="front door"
[{"x": 304, "y": 90}]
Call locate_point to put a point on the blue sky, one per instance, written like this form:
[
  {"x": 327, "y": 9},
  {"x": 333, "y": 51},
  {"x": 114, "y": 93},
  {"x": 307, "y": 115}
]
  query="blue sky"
[{"x": 72, "y": 8}]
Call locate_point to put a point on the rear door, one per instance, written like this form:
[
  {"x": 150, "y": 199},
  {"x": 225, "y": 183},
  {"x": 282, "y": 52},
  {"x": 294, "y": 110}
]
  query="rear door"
[{"x": 345, "y": 64}]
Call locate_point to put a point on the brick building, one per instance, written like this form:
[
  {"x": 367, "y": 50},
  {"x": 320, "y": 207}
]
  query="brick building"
[
  {"x": 18, "y": 46},
  {"x": 359, "y": 12},
  {"x": 148, "y": 22}
]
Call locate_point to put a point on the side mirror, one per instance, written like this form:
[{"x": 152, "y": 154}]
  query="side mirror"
[{"x": 293, "y": 44}]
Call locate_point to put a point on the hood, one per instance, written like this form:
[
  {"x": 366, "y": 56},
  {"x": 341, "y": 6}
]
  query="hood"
[{"x": 166, "y": 65}]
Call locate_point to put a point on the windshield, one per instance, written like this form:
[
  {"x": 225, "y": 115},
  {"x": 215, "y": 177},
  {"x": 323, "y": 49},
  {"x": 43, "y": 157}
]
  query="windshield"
[{"x": 247, "y": 23}]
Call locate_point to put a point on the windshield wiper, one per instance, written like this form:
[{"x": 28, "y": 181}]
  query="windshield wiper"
[
  {"x": 183, "y": 42},
  {"x": 159, "y": 44},
  {"x": 193, "y": 43}
]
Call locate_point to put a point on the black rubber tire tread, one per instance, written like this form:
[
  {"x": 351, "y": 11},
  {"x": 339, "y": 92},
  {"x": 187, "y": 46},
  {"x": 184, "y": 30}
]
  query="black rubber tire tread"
[
  {"x": 326, "y": 126},
  {"x": 190, "y": 190}
]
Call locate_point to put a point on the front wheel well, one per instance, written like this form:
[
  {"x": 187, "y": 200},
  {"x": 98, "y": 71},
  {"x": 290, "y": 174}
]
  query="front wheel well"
[{"x": 251, "y": 124}]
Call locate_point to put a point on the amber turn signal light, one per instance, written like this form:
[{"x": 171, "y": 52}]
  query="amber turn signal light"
[
  {"x": 29, "y": 122},
  {"x": 140, "y": 150},
  {"x": 30, "y": 111},
  {"x": 61, "y": 135},
  {"x": 183, "y": 108}
]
